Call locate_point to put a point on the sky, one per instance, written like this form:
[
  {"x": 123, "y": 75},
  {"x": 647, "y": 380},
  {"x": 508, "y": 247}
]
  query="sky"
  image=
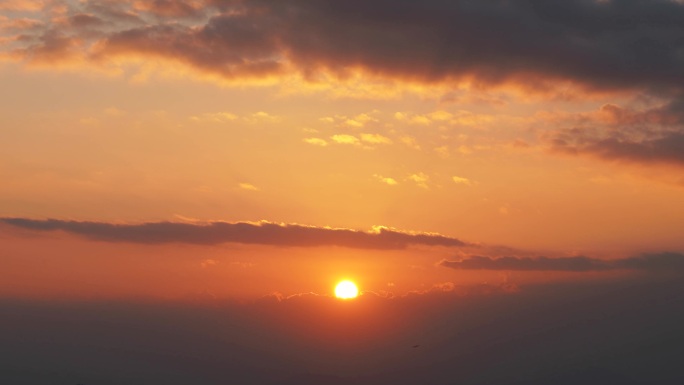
[{"x": 185, "y": 182}]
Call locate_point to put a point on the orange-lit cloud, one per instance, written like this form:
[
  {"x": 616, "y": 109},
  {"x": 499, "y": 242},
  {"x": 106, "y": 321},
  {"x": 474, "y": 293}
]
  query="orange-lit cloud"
[
  {"x": 248, "y": 186},
  {"x": 375, "y": 139},
  {"x": 23, "y": 5},
  {"x": 461, "y": 180},
  {"x": 345, "y": 139},
  {"x": 387, "y": 180},
  {"x": 316, "y": 141},
  {"x": 421, "y": 179}
]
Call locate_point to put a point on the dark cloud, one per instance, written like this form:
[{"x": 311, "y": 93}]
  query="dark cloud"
[
  {"x": 262, "y": 233},
  {"x": 623, "y": 44},
  {"x": 664, "y": 262},
  {"x": 118, "y": 13},
  {"x": 51, "y": 46},
  {"x": 172, "y": 8},
  {"x": 232, "y": 50},
  {"x": 661, "y": 262},
  {"x": 654, "y": 135},
  {"x": 84, "y": 20},
  {"x": 596, "y": 43},
  {"x": 660, "y": 148},
  {"x": 527, "y": 264}
]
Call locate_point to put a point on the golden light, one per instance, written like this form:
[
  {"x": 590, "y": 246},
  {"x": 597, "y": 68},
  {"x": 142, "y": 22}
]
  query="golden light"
[{"x": 346, "y": 290}]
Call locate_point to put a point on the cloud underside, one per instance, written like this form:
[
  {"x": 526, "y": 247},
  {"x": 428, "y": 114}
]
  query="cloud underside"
[
  {"x": 663, "y": 149},
  {"x": 649, "y": 262},
  {"x": 262, "y": 233},
  {"x": 592, "y": 43},
  {"x": 653, "y": 135}
]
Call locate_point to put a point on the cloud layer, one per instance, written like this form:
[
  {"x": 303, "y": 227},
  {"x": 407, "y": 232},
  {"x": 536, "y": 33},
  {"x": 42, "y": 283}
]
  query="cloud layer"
[
  {"x": 623, "y": 44},
  {"x": 262, "y": 233},
  {"x": 649, "y": 262}
]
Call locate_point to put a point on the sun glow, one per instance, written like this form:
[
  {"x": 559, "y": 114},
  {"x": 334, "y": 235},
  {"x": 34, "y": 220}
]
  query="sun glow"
[{"x": 346, "y": 290}]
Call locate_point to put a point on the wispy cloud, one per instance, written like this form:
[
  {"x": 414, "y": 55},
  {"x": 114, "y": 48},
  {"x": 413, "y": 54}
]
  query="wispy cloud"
[
  {"x": 316, "y": 141},
  {"x": 375, "y": 139},
  {"x": 386, "y": 180},
  {"x": 420, "y": 179},
  {"x": 461, "y": 180},
  {"x": 345, "y": 139},
  {"x": 248, "y": 186}
]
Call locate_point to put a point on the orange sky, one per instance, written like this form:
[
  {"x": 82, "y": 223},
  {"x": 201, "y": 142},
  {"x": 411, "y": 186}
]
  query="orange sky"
[
  {"x": 184, "y": 182},
  {"x": 123, "y": 112}
]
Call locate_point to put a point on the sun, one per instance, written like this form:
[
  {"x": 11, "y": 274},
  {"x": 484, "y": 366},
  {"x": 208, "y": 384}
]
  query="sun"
[{"x": 346, "y": 290}]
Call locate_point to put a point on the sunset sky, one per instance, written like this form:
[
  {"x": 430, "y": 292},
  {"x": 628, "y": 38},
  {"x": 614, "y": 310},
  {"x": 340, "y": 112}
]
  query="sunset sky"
[{"x": 211, "y": 169}]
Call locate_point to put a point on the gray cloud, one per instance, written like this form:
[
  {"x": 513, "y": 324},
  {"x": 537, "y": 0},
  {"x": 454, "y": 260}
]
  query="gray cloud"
[
  {"x": 211, "y": 233},
  {"x": 653, "y": 135},
  {"x": 626, "y": 44},
  {"x": 660, "y": 148},
  {"x": 649, "y": 262}
]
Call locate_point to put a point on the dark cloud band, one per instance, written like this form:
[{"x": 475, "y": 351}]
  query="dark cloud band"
[
  {"x": 263, "y": 233},
  {"x": 624, "y": 44},
  {"x": 649, "y": 262}
]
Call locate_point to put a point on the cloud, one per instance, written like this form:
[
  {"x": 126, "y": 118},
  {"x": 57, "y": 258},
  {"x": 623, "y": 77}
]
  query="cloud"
[
  {"x": 261, "y": 117},
  {"x": 648, "y": 262},
  {"x": 262, "y": 233},
  {"x": 225, "y": 117},
  {"x": 248, "y": 186},
  {"x": 345, "y": 139},
  {"x": 386, "y": 180},
  {"x": 208, "y": 262},
  {"x": 19, "y": 24},
  {"x": 420, "y": 178},
  {"x": 654, "y": 135},
  {"x": 316, "y": 141},
  {"x": 531, "y": 43},
  {"x": 171, "y": 8},
  {"x": 84, "y": 20},
  {"x": 375, "y": 139},
  {"x": 420, "y": 120},
  {"x": 655, "y": 148},
  {"x": 22, "y": 5},
  {"x": 441, "y": 115},
  {"x": 51, "y": 46},
  {"x": 459, "y": 118},
  {"x": 461, "y": 180},
  {"x": 410, "y": 141},
  {"x": 216, "y": 117}
]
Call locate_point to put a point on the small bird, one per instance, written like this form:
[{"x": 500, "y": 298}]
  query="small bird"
[{"x": 415, "y": 346}]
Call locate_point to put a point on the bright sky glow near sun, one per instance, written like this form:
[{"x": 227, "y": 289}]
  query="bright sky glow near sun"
[{"x": 252, "y": 152}]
